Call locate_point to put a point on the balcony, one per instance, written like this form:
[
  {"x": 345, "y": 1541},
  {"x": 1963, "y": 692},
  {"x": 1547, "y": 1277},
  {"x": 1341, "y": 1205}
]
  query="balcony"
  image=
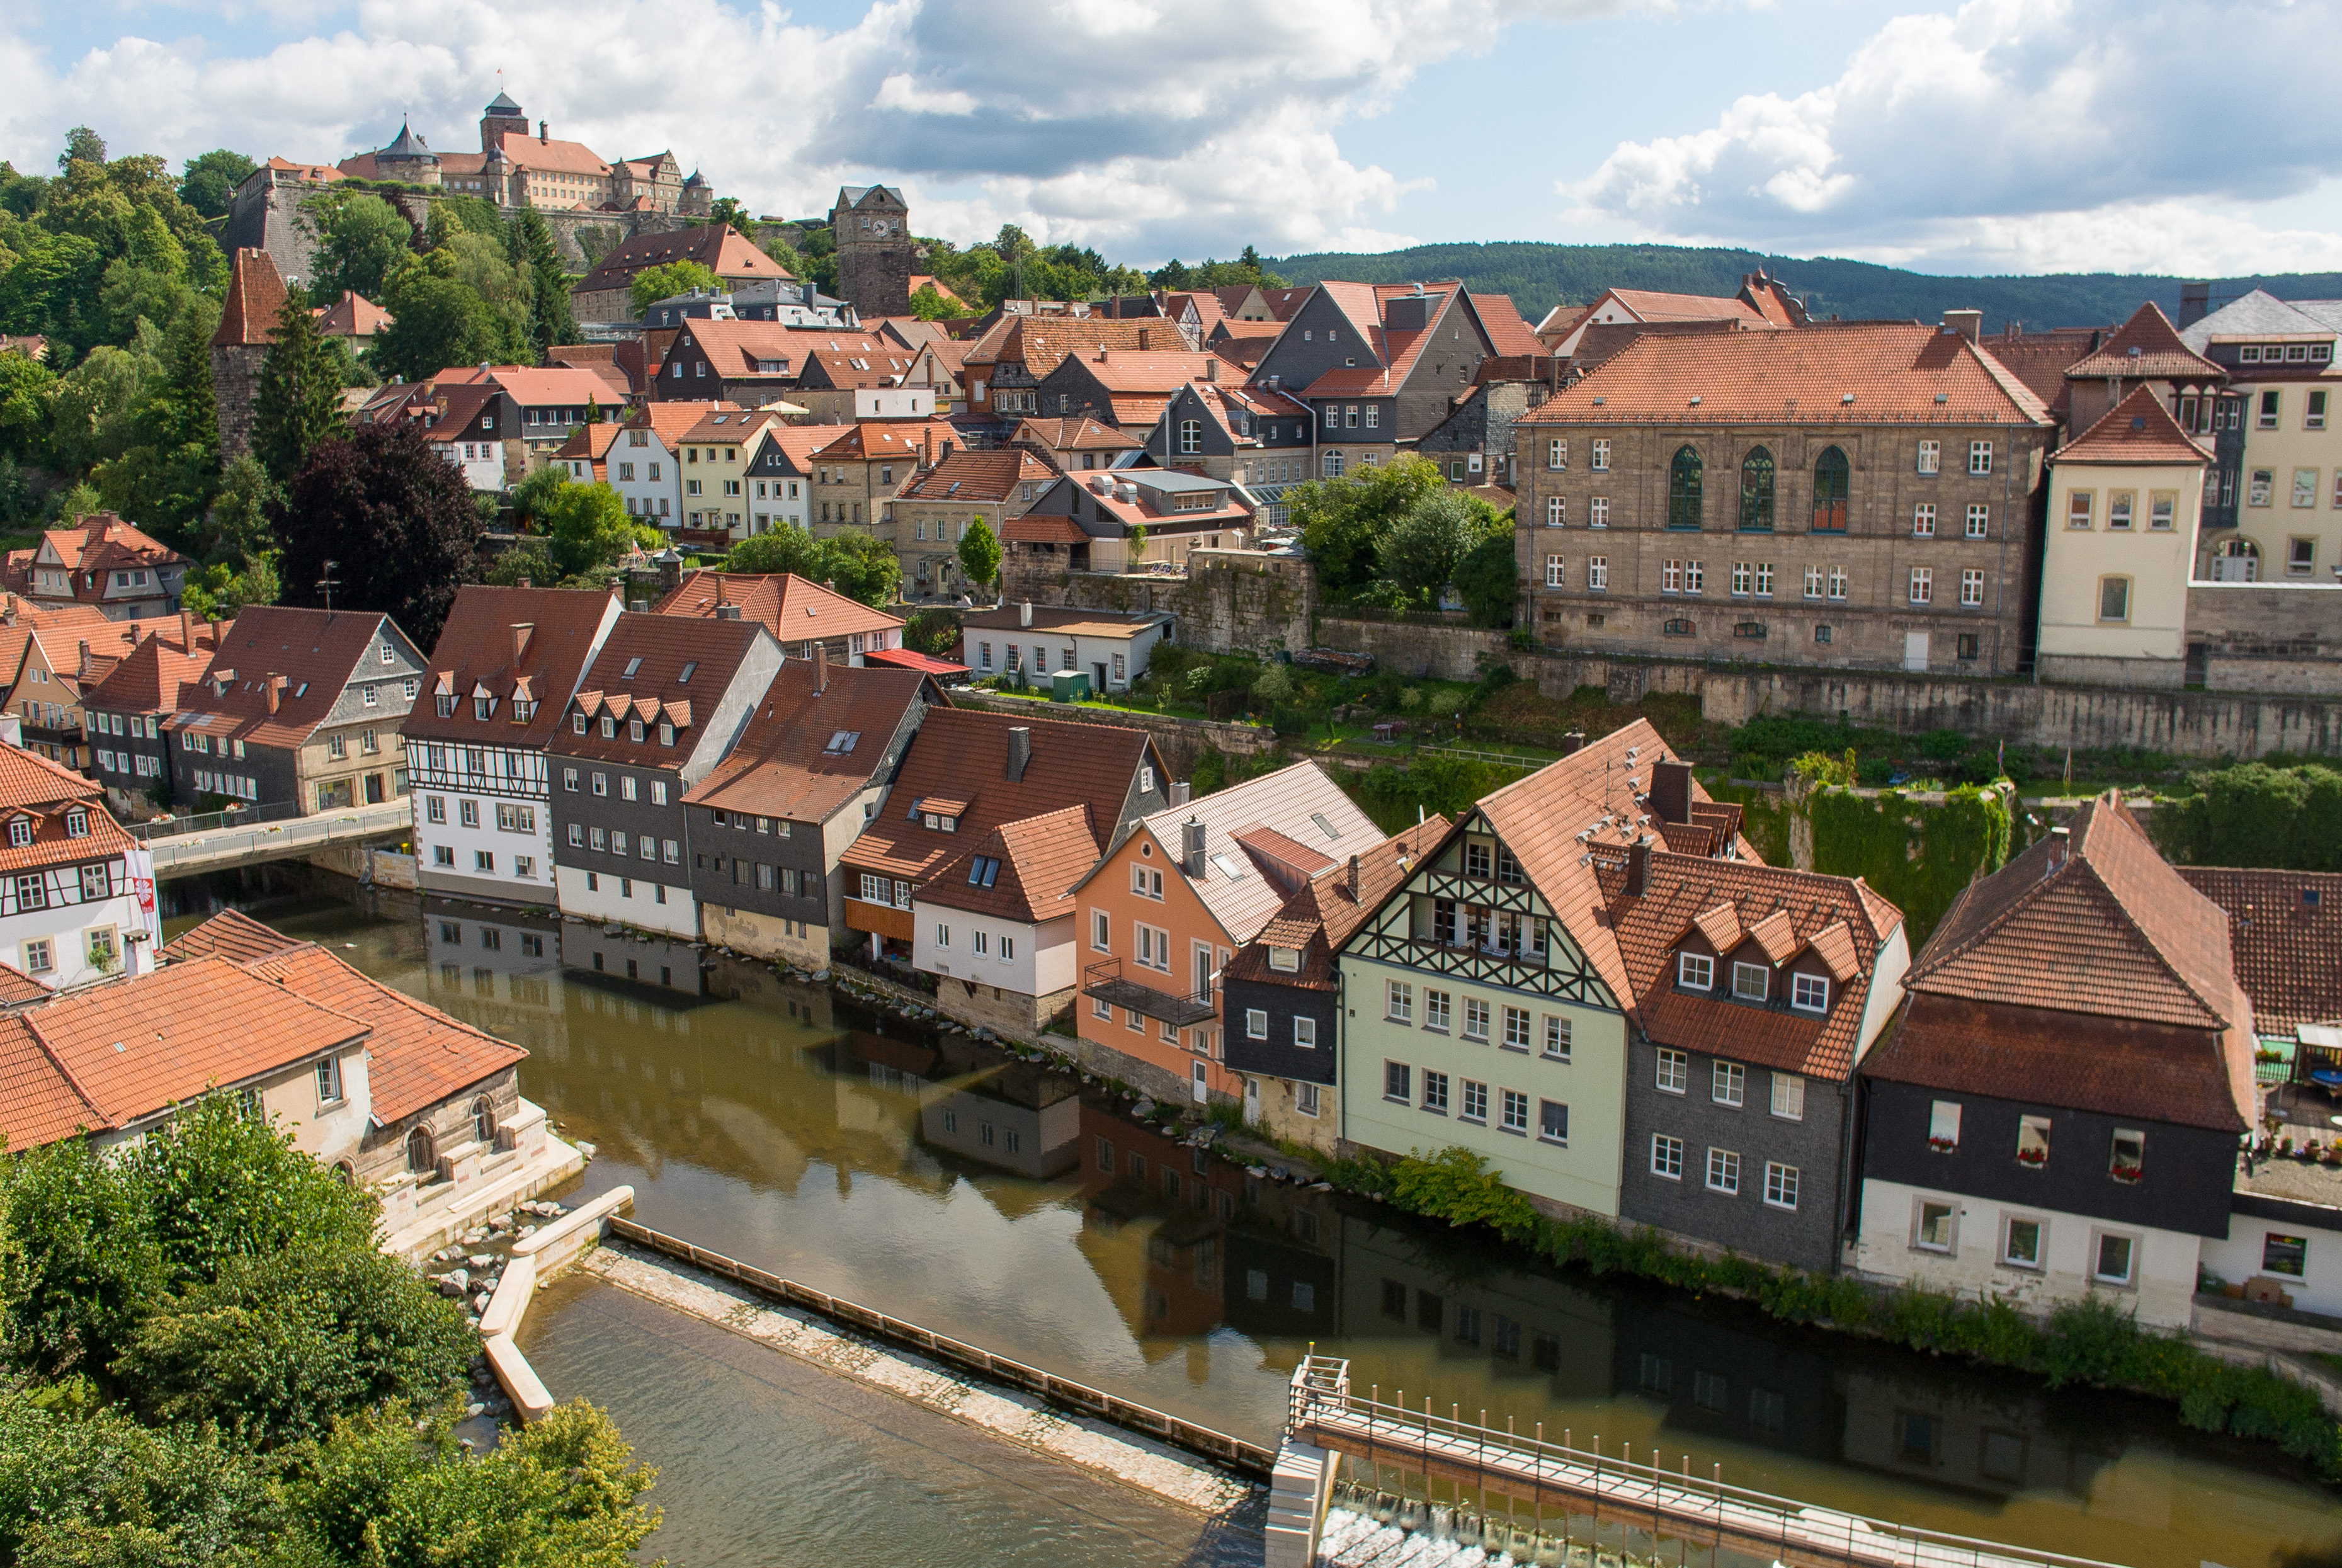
[{"x": 1103, "y": 981}]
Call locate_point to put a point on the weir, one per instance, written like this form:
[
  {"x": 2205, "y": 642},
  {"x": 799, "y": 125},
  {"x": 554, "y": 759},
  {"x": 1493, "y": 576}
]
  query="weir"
[{"x": 1327, "y": 1421}]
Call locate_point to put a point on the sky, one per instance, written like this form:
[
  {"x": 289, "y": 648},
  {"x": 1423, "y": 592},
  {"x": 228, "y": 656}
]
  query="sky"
[{"x": 1989, "y": 136}]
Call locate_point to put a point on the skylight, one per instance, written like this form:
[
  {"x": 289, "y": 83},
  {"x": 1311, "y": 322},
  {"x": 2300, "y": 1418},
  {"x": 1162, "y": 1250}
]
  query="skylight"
[
  {"x": 1230, "y": 866},
  {"x": 1327, "y": 828},
  {"x": 632, "y": 665},
  {"x": 841, "y": 742},
  {"x": 685, "y": 679},
  {"x": 983, "y": 871}
]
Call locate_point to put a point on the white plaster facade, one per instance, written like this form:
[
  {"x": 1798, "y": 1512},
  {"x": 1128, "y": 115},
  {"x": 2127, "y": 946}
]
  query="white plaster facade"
[
  {"x": 2114, "y": 581},
  {"x": 1966, "y": 1256},
  {"x": 612, "y": 900},
  {"x": 647, "y": 478},
  {"x": 487, "y": 834},
  {"x": 67, "y": 925},
  {"x": 1039, "y": 958},
  {"x": 2272, "y": 1250}
]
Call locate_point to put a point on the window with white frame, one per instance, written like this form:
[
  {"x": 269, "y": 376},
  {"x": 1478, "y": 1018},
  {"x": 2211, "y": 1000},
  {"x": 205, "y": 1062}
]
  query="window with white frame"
[
  {"x": 1923, "y": 584},
  {"x": 1398, "y": 1001},
  {"x": 1666, "y": 1156},
  {"x": 1305, "y": 1033},
  {"x": 1556, "y": 1038},
  {"x": 1597, "y": 574},
  {"x": 1695, "y": 971},
  {"x": 1556, "y": 512},
  {"x": 1923, "y": 520},
  {"x": 1723, "y": 1171},
  {"x": 1780, "y": 1184},
  {"x": 1601, "y": 455},
  {"x": 1979, "y": 457},
  {"x": 1555, "y": 572},
  {"x": 1515, "y": 1107},
  {"x": 1255, "y": 1023},
  {"x": 1728, "y": 1083},
  {"x": 1556, "y": 453},
  {"x": 1979, "y": 520},
  {"x": 1475, "y": 1106},
  {"x": 1971, "y": 587},
  {"x": 1516, "y": 1028},
  {"x": 1931, "y": 456},
  {"x": 1436, "y": 1011},
  {"x": 1476, "y": 1019},
  {"x": 1809, "y": 993},
  {"x": 1790, "y": 1096},
  {"x": 1597, "y": 510},
  {"x": 1674, "y": 1073},
  {"x": 1838, "y": 583},
  {"x": 1751, "y": 981}
]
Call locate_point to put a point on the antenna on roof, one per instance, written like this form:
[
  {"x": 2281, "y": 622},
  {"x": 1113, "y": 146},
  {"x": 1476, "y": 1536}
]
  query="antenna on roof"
[{"x": 326, "y": 584}]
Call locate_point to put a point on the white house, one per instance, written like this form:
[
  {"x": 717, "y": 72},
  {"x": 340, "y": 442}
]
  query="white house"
[
  {"x": 76, "y": 892},
  {"x": 645, "y": 459},
  {"x": 507, "y": 664},
  {"x": 1036, "y": 641}
]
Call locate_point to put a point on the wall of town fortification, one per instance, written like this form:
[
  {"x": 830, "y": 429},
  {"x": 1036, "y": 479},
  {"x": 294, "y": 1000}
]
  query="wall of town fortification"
[{"x": 1227, "y": 600}]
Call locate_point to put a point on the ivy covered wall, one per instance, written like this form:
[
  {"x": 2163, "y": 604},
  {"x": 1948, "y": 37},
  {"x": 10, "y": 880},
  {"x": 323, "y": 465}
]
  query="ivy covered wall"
[{"x": 1917, "y": 854}]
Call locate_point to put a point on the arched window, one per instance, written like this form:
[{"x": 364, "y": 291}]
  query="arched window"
[
  {"x": 1830, "y": 475},
  {"x": 1756, "y": 491},
  {"x": 422, "y": 1154},
  {"x": 484, "y": 1120},
  {"x": 1333, "y": 463},
  {"x": 1683, "y": 489},
  {"x": 346, "y": 1173}
]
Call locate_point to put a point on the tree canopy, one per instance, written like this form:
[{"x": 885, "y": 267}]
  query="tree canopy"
[
  {"x": 396, "y": 520},
  {"x": 664, "y": 282},
  {"x": 979, "y": 552},
  {"x": 861, "y": 568},
  {"x": 1345, "y": 522},
  {"x": 209, "y": 181}
]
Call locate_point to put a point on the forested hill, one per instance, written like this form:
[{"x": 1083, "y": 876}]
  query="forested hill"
[{"x": 1538, "y": 276}]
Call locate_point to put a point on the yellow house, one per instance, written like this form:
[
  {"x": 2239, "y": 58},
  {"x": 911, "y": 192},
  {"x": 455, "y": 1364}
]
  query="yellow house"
[{"x": 2125, "y": 499}]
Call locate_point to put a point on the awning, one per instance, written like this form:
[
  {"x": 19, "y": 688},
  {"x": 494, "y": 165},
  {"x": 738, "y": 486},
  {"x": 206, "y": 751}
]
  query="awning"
[{"x": 911, "y": 659}]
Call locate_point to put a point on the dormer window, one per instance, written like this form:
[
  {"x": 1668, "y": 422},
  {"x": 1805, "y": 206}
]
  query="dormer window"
[
  {"x": 76, "y": 825},
  {"x": 577, "y": 722},
  {"x": 666, "y": 734},
  {"x": 523, "y": 710},
  {"x": 1284, "y": 960},
  {"x": 634, "y": 731},
  {"x": 1695, "y": 971},
  {"x": 1809, "y": 993},
  {"x": 983, "y": 871},
  {"x": 609, "y": 728},
  {"x": 446, "y": 705},
  {"x": 1749, "y": 981},
  {"x": 484, "y": 707},
  {"x": 20, "y": 832},
  {"x": 939, "y": 822}
]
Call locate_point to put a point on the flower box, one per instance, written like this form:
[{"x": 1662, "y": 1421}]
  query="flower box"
[
  {"x": 2036, "y": 1158},
  {"x": 1943, "y": 1145},
  {"x": 2128, "y": 1174}
]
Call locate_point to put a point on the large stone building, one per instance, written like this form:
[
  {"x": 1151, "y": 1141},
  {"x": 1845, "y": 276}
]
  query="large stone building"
[
  {"x": 871, "y": 226},
  {"x": 256, "y": 294},
  {"x": 1864, "y": 495}
]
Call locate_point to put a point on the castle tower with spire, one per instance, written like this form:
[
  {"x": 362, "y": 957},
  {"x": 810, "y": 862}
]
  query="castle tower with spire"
[{"x": 502, "y": 118}]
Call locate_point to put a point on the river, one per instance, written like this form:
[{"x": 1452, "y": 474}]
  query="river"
[{"x": 946, "y": 1183}]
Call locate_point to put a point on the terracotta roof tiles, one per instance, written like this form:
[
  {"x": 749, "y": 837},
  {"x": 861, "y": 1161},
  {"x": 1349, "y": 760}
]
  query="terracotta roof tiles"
[
  {"x": 794, "y": 609},
  {"x": 2146, "y": 346},
  {"x": 2138, "y": 429},
  {"x": 783, "y": 764},
  {"x": 482, "y": 649},
  {"x": 2284, "y": 940}
]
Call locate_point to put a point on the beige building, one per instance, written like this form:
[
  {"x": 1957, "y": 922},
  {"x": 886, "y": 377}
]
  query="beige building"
[
  {"x": 2278, "y": 517},
  {"x": 1858, "y": 496},
  {"x": 2125, "y": 504}
]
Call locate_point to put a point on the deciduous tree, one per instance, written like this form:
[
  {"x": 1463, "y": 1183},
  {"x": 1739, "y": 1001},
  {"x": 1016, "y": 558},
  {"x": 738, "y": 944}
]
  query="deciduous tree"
[
  {"x": 395, "y": 518},
  {"x": 979, "y": 553},
  {"x": 654, "y": 283}
]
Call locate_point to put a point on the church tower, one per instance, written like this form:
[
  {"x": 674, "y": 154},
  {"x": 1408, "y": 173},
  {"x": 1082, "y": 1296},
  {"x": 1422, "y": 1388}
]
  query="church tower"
[{"x": 871, "y": 227}]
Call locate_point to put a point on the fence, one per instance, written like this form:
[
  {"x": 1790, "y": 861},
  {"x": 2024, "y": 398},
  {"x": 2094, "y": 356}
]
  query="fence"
[
  {"x": 206, "y": 822},
  {"x": 1322, "y": 1410},
  {"x": 1065, "y": 1395},
  {"x": 1501, "y": 759}
]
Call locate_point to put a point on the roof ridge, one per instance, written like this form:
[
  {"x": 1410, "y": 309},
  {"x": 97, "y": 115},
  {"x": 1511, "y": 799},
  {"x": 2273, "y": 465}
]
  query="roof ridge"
[{"x": 56, "y": 1060}]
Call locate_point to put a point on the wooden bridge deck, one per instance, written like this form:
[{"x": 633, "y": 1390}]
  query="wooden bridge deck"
[{"x": 1613, "y": 1490}]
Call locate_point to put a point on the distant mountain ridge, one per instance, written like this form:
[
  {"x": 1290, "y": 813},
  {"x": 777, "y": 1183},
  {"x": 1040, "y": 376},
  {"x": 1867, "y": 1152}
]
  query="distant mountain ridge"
[{"x": 1539, "y": 275}]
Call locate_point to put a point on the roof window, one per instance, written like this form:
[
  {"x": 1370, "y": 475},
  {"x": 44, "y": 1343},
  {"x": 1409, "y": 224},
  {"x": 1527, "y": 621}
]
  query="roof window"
[
  {"x": 685, "y": 679},
  {"x": 841, "y": 742},
  {"x": 983, "y": 871},
  {"x": 632, "y": 665},
  {"x": 1327, "y": 828},
  {"x": 1230, "y": 866}
]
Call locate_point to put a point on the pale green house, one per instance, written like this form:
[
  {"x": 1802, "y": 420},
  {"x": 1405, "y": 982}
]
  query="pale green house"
[{"x": 1483, "y": 1002}]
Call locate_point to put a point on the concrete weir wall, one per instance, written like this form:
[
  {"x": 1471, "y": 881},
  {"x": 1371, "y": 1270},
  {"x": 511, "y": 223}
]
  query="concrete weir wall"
[
  {"x": 2209, "y": 725},
  {"x": 536, "y": 1258}
]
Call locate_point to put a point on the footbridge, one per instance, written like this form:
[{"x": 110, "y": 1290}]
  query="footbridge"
[{"x": 226, "y": 841}]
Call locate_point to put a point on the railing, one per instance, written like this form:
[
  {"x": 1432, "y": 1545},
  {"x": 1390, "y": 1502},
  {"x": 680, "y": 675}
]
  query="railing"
[
  {"x": 1063, "y": 1392},
  {"x": 1501, "y": 759},
  {"x": 1322, "y": 1409},
  {"x": 213, "y": 850},
  {"x": 206, "y": 822}
]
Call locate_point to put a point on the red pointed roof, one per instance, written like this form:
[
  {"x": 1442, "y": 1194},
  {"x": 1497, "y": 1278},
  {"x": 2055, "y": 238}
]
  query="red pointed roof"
[
  {"x": 255, "y": 294},
  {"x": 2146, "y": 346},
  {"x": 2138, "y": 429}
]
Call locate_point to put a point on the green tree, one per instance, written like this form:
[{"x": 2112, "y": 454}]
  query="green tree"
[
  {"x": 84, "y": 1263},
  {"x": 929, "y": 303},
  {"x": 979, "y": 553},
  {"x": 83, "y": 145},
  {"x": 222, "y": 1185},
  {"x": 654, "y": 283},
  {"x": 218, "y": 591},
  {"x": 863, "y": 569},
  {"x": 532, "y": 248},
  {"x": 209, "y": 182},
  {"x": 935, "y": 632},
  {"x": 168, "y": 477},
  {"x": 26, "y": 386},
  {"x": 1134, "y": 543},
  {"x": 1488, "y": 580},
  {"x": 53, "y": 290},
  {"x": 587, "y": 528},
  {"x": 728, "y": 211},
  {"x": 279, "y": 1345},
  {"x": 462, "y": 304},
  {"x": 299, "y": 407},
  {"x": 361, "y": 241},
  {"x": 1345, "y": 521},
  {"x": 396, "y": 519},
  {"x": 83, "y": 1484},
  {"x": 787, "y": 548},
  {"x": 532, "y": 497},
  {"x": 93, "y": 411},
  {"x": 1424, "y": 546}
]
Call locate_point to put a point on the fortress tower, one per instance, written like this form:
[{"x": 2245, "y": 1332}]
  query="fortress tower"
[{"x": 871, "y": 227}]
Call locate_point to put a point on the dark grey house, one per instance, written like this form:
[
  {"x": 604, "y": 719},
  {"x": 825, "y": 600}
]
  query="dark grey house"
[
  {"x": 660, "y": 705},
  {"x": 1760, "y": 989},
  {"x": 765, "y": 827},
  {"x": 1283, "y": 995}
]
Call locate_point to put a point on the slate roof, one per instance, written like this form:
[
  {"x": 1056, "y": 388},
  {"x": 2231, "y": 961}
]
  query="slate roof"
[
  {"x": 794, "y": 609},
  {"x": 474, "y": 655},
  {"x": 2138, "y": 429},
  {"x": 1283, "y": 802},
  {"x": 2261, "y": 313},
  {"x": 311, "y": 648},
  {"x": 1893, "y": 371},
  {"x": 1321, "y": 915},
  {"x": 781, "y": 765},
  {"x": 2146, "y": 346},
  {"x": 962, "y": 754},
  {"x": 2287, "y": 950}
]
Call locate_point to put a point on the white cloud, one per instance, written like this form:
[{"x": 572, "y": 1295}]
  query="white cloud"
[
  {"x": 1142, "y": 127},
  {"x": 2017, "y": 134}
]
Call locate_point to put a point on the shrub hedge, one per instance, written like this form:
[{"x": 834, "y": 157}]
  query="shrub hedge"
[{"x": 2087, "y": 1343}]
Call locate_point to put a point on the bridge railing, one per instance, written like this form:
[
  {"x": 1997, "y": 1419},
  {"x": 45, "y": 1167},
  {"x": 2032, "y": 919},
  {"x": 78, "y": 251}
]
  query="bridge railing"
[
  {"x": 212, "y": 821},
  {"x": 1322, "y": 1408},
  {"x": 239, "y": 844}
]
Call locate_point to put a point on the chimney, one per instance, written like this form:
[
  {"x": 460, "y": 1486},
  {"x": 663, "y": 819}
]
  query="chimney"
[
  {"x": 216, "y": 623},
  {"x": 276, "y": 686},
  {"x": 520, "y": 631},
  {"x": 1670, "y": 792},
  {"x": 1192, "y": 844},
  {"x": 522, "y": 583},
  {"x": 1182, "y": 792},
  {"x": 186, "y": 631},
  {"x": 543, "y": 131},
  {"x": 1212, "y": 368},
  {"x": 1969, "y": 324},
  {"x": 1354, "y": 879},
  {"x": 820, "y": 668},
  {"x": 1145, "y": 340},
  {"x": 1638, "y": 867},
  {"x": 670, "y": 569},
  {"x": 1020, "y": 752},
  {"x": 727, "y": 612},
  {"x": 2061, "y": 845},
  {"x": 83, "y": 668},
  {"x": 1573, "y": 743},
  {"x": 2195, "y": 303},
  {"x": 1025, "y": 613}
]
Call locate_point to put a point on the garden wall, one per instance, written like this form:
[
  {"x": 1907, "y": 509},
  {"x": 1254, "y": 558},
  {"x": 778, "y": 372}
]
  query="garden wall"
[
  {"x": 1226, "y": 601},
  {"x": 1181, "y": 741}
]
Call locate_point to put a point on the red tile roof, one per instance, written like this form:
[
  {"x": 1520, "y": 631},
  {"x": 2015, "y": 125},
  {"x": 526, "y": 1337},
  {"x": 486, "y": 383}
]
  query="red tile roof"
[
  {"x": 782, "y": 767},
  {"x": 670, "y": 421},
  {"x": 722, "y": 250},
  {"x": 2138, "y": 429},
  {"x": 2287, "y": 950},
  {"x": 657, "y": 692},
  {"x": 317, "y": 655},
  {"x": 1044, "y": 528},
  {"x": 794, "y": 609},
  {"x": 2146, "y": 346},
  {"x": 1321, "y": 914},
  {"x": 1500, "y": 318},
  {"x": 1077, "y": 432},
  {"x": 256, "y": 294},
  {"x": 352, "y": 316},
  {"x": 1651, "y": 304},
  {"x": 912, "y": 659},
  {"x": 985, "y": 476},
  {"x": 149, "y": 678},
  {"x": 46, "y": 794},
  {"x": 962, "y": 753},
  {"x": 477, "y": 656},
  {"x": 231, "y": 935},
  {"x": 877, "y": 439},
  {"x": 740, "y": 349},
  {"x": 1041, "y": 860},
  {"x": 1893, "y": 373}
]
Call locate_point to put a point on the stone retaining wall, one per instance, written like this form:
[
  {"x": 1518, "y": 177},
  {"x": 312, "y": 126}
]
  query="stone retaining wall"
[
  {"x": 1226, "y": 601},
  {"x": 1181, "y": 741}
]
